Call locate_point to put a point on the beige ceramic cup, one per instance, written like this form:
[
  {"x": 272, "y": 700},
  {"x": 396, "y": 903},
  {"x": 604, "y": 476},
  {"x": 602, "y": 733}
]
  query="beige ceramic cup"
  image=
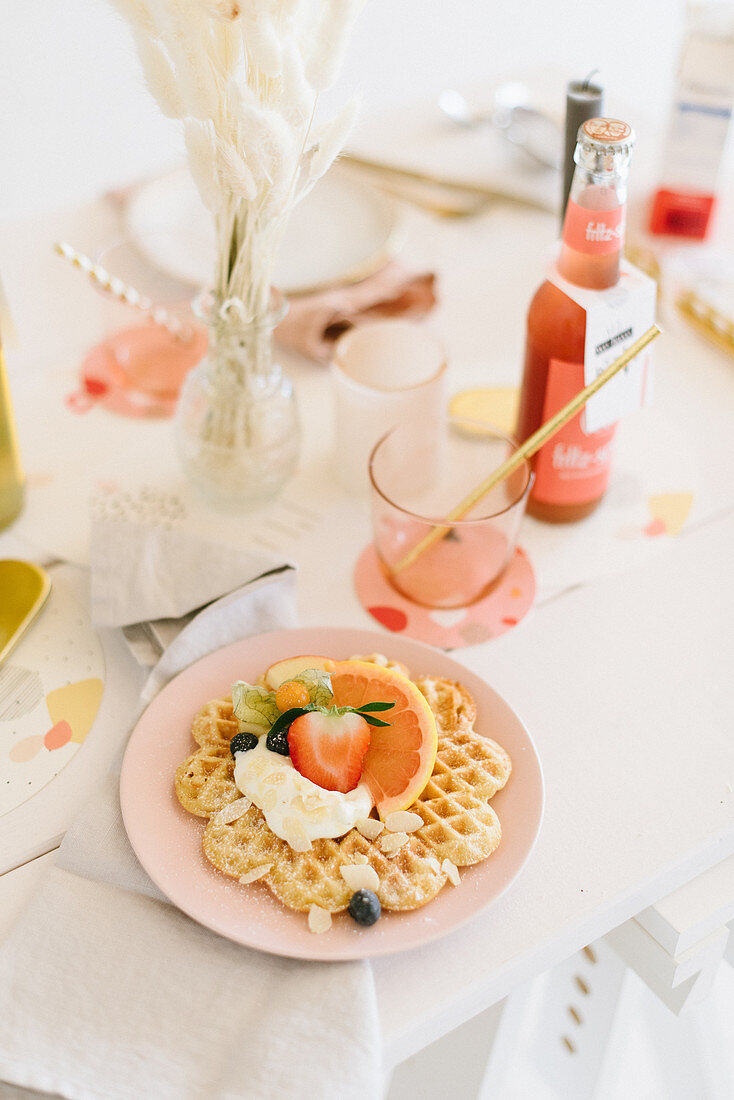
[{"x": 385, "y": 374}]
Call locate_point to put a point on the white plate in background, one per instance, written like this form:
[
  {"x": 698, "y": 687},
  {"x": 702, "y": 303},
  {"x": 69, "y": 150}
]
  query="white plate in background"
[{"x": 341, "y": 232}]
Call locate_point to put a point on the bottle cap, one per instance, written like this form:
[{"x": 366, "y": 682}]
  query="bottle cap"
[
  {"x": 614, "y": 135},
  {"x": 604, "y": 144}
]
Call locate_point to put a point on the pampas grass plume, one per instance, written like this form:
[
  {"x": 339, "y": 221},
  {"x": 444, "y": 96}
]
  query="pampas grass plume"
[{"x": 244, "y": 77}]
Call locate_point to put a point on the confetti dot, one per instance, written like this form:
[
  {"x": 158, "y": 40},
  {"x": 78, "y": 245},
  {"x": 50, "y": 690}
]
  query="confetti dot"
[
  {"x": 390, "y": 617},
  {"x": 58, "y": 736},
  {"x": 26, "y": 749},
  {"x": 95, "y": 387},
  {"x": 671, "y": 509}
]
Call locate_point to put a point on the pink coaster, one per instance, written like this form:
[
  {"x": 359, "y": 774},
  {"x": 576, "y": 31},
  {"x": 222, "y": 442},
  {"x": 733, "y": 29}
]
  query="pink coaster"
[
  {"x": 447, "y": 628},
  {"x": 149, "y": 384}
]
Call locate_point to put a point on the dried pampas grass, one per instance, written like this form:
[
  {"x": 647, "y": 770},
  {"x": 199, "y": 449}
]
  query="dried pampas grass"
[{"x": 244, "y": 77}]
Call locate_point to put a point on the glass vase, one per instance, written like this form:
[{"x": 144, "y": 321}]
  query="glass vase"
[{"x": 237, "y": 427}]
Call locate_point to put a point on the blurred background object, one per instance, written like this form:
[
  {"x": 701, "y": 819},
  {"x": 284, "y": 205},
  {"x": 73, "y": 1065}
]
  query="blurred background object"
[{"x": 71, "y": 78}]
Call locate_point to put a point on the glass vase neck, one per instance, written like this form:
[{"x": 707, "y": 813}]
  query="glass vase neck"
[
  {"x": 240, "y": 344},
  {"x": 235, "y": 314}
]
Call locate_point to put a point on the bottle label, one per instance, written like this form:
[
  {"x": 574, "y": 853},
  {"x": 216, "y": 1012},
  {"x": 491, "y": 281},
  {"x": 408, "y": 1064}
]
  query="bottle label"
[
  {"x": 594, "y": 232},
  {"x": 573, "y": 467},
  {"x": 615, "y": 318}
]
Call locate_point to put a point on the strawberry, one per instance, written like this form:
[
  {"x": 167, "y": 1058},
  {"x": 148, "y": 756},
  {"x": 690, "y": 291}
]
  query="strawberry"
[{"x": 328, "y": 749}]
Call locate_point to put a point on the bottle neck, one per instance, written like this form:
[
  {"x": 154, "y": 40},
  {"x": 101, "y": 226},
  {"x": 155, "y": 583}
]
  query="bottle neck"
[{"x": 592, "y": 241}]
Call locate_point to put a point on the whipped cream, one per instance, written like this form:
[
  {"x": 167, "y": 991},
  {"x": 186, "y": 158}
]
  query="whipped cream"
[{"x": 296, "y": 809}]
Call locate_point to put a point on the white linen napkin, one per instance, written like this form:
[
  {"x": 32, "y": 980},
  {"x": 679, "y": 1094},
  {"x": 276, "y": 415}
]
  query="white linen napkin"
[
  {"x": 108, "y": 991},
  {"x": 142, "y": 572}
]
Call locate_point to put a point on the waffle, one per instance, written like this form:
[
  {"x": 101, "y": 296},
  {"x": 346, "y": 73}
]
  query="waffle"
[
  {"x": 459, "y": 825},
  {"x": 215, "y": 723},
  {"x": 301, "y": 879},
  {"x": 479, "y": 762},
  {"x": 205, "y": 780}
]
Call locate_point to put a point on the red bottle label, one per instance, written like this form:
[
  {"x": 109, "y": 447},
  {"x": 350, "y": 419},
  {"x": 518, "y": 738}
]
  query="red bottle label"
[
  {"x": 573, "y": 467},
  {"x": 595, "y": 232}
]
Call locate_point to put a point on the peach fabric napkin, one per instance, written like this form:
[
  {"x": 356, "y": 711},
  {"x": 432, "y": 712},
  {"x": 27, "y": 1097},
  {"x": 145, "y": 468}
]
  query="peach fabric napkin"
[{"x": 315, "y": 322}]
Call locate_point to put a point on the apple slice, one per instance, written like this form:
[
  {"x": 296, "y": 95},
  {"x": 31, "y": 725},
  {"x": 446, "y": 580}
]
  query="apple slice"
[{"x": 290, "y": 667}]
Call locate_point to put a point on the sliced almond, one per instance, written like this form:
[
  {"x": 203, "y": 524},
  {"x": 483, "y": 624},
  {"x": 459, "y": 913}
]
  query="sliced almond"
[
  {"x": 319, "y": 920},
  {"x": 373, "y": 658},
  {"x": 393, "y": 842},
  {"x": 451, "y": 871},
  {"x": 255, "y": 873},
  {"x": 403, "y": 821},
  {"x": 296, "y": 836},
  {"x": 232, "y": 811},
  {"x": 269, "y": 801},
  {"x": 370, "y": 828},
  {"x": 274, "y": 779},
  {"x": 360, "y": 876},
  {"x": 434, "y": 864}
]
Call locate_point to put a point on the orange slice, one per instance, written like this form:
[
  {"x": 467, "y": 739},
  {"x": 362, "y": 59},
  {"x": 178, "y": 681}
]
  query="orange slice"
[{"x": 401, "y": 756}]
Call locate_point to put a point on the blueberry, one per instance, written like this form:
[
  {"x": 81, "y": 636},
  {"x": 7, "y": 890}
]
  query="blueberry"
[
  {"x": 242, "y": 742},
  {"x": 364, "y": 907},
  {"x": 278, "y": 742}
]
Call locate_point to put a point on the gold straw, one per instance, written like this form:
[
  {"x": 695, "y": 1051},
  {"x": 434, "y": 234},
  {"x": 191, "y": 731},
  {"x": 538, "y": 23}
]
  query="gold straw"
[
  {"x": 123, "y": 292},
  {"x": 532, "y": 444}
]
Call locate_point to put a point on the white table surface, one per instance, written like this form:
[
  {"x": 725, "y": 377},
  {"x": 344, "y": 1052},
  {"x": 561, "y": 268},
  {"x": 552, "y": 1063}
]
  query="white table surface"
[{"x": 623, "y": 682}]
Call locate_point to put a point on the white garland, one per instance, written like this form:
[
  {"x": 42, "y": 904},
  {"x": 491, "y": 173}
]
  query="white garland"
[{"x": 244, "y": 76}]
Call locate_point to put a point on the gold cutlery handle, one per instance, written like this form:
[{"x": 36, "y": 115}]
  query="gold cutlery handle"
[{"x": 480, "y": 193}]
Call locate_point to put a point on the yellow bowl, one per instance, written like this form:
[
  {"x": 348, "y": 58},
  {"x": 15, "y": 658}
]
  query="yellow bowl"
[{"x": 24, "y": 589}]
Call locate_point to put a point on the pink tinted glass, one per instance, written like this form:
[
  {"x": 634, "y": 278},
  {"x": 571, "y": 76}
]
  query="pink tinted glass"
[{"x": 415, "y": 483}]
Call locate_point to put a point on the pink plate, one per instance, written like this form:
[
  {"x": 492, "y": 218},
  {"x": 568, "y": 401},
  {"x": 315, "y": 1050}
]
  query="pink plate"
[{"x": 167, "y": 839}]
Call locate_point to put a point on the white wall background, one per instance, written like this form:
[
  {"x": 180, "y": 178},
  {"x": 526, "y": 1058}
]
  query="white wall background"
[{"x": 75, "y": 117}]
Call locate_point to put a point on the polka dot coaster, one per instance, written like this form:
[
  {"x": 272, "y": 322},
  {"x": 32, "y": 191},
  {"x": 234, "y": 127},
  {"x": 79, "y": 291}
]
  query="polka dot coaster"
[{"x": 447, "y": 628}]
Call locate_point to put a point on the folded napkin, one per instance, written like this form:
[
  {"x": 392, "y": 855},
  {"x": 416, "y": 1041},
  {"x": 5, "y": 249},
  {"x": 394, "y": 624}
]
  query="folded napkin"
[
  {"x": 142, "y": 572},
  {"x": 106, "y": 990},
  {"x": 315, "y": 322}
]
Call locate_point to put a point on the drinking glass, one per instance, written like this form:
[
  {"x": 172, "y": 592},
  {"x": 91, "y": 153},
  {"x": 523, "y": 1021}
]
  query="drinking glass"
[
  {"x": 384, "y": 373},
  {"x": 416, "y": 482},
  {"x": 141, "y": 356}
]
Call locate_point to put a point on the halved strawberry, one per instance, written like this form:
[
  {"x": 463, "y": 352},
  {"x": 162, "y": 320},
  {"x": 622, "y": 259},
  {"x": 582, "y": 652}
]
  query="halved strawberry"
[{"x": 329, "y": 748}]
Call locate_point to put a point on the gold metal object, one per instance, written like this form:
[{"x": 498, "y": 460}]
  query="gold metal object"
[
  {"x": 24, "y": 589},
  {"x": 707, "y": 320},
  {"x": 532, "y": 444},
  {"x": 12, "y": 481},
  {"x": 474, "y": 197}
]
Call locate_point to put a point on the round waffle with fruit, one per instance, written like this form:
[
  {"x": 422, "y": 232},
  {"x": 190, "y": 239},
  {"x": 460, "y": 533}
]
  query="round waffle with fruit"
[{"x": 344, "y": 785}]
